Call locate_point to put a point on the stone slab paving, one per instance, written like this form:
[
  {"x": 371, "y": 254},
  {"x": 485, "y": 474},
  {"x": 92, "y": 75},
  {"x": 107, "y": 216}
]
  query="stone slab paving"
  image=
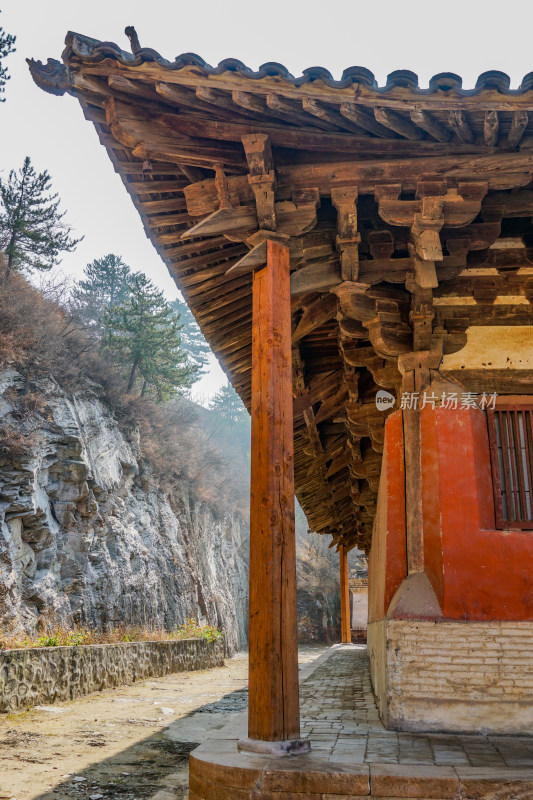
[
  {"x": 354, "y": 757},
  {"x": 340, "y": 718}
]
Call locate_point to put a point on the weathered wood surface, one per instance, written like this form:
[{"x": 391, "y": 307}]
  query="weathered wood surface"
[
  {"x": 413, "y": 490},
  {"x": 506, "y": 171},
  {"x": 346, "y": 626},
  {"x": 273, "y": 705}
]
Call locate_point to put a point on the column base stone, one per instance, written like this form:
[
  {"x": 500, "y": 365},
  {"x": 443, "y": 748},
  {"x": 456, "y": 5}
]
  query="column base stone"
[{"x": 289, "y": 747}]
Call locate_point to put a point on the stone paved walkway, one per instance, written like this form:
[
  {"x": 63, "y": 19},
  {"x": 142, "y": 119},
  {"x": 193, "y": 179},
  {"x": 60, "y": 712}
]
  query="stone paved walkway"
[{"x": 340, "y": 718}]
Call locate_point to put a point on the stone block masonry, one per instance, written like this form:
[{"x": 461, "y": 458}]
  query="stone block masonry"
[{"x": 50, "y": 674}]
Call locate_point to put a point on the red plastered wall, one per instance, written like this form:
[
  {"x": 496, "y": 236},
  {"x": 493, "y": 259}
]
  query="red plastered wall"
[{"x": 477, "y": 572}]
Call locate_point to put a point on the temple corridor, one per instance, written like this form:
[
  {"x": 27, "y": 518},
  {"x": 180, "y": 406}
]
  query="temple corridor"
[{"x": 340, "y": 717}]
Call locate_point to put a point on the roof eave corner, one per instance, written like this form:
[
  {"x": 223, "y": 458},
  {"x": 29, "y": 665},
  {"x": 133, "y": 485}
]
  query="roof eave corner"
[{"x": 53, "y": 77}]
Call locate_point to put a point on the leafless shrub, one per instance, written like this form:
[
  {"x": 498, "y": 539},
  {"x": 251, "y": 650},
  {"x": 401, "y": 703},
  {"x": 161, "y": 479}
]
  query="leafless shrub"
[
  {"x": 25, "y": 405},
  {"x": 14, "y": 445},
  {"x": 54, "y": 286}
]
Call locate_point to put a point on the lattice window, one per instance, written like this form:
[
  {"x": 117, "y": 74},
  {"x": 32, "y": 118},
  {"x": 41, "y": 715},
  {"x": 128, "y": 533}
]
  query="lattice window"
[{"x": 511, "y": 448}]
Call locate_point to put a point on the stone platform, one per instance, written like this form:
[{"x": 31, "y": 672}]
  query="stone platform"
[{"x": 353, "y": 755}]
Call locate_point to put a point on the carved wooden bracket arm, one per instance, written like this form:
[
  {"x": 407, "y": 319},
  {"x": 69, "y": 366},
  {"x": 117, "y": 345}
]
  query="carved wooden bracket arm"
[
  {"x": 262, "y": 177},
  {"x": 381, "y": 312},
  {"x": 348, "y": 237}
]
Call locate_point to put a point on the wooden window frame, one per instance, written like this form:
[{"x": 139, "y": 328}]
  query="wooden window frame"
[{"x": 512, "y": 461}]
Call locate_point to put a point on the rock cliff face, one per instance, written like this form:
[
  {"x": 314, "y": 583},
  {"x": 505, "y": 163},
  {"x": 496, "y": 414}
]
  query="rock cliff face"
[
  {"x": 87, "y": 536},
  {"x": 318, "y": 615},
  {"x": 318, "y": 596}
]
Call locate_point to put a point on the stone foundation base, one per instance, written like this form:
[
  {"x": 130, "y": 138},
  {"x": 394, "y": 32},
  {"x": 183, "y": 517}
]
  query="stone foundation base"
[
  {"x": 218, "y": 772},
  {"x": 462, "y": 677}
]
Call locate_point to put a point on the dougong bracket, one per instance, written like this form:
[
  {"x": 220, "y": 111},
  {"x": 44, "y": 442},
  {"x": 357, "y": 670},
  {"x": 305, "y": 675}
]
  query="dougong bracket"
[
  {"x": 345, "y": 201},
  {"x": 262, "y": 178}
]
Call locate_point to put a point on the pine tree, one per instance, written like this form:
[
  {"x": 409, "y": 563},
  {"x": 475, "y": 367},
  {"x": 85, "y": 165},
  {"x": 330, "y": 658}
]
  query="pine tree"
[
  {"x": 107, "y": 282},
  {"x": 32, "y": 232},
  {"x": 227, "y": 403},
  {"x": 143, "y": 334},
  {"x": 7, "y": 46},
  {"x": 192, "y": 339}
]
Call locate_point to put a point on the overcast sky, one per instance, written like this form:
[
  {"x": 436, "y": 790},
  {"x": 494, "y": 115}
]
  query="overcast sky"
[{"x": 427, "y": 37}]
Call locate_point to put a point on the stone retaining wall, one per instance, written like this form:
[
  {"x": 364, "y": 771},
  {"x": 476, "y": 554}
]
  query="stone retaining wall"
[{"x": 48, "y": 674}]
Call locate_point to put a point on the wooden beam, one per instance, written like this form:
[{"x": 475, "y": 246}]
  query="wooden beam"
[
  {"x": 314, "y": 108},
  {"x": 315, "y": 315},
  {"x": 226, "y": 105},
  {"x": 250, "y": 102},
  {"x": 230, "y": 128},
  {"x": 156, "y": 206},
  {"x": 156, "y": 187},
  {"x": 491, "y": 128},
  {"x": 136, "y": 168},
  {"x": 459, "y": 123},
  {"x": 505, "y": 170},
  {"x": 153, "y": 137},
  {"x": 178, "y": 95},
  {"x": 366, "y": 96},
  {"x": 273, "y": 704},
  {"x": 397, "y": 123},
  {"x": 429, "y": 124},
  {"x": 346, "y": 628},
  {"x": 164, "y": 220},
  {"x": 193, "y": 248},
  {"x": 362, "y": 118},
  {"x": 317, "y": 277},
  {"x": 291, "y": 113},
  {"x": 128, "y": 87},
  {"x": 518, "y": 126},
  {"x": 242, "y": 218}
]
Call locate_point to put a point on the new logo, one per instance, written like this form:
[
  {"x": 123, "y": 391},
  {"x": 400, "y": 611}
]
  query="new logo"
[{"x": 384, "y": 400}]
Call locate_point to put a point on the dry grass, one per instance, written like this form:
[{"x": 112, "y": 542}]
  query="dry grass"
[
  {"x": 37, "y": 335},
  {"x": 55, "y": 635},
  {"x": 14, "y": 444}
]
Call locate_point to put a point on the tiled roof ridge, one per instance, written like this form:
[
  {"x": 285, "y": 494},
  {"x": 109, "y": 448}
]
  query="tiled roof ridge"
[{"x": 87, "y": 50}]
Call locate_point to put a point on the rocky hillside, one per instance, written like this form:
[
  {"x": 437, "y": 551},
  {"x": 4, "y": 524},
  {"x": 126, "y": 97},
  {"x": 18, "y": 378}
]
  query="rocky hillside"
[
  {"x": 318, "y": 592},
  {"x": 114, "y": 509},
  {"x": 88, "y": 535}
]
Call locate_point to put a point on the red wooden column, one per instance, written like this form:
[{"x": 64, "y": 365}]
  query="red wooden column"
[
  {"x": 273, "y": 702},
  {"x": 346, "y": 628}
]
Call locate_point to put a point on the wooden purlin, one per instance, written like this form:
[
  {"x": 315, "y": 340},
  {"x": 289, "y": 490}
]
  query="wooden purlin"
[{"x": 172, "y": 127}]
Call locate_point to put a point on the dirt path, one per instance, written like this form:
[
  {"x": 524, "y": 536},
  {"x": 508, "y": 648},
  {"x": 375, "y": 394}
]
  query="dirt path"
[{"x": 130, "y": 743}]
